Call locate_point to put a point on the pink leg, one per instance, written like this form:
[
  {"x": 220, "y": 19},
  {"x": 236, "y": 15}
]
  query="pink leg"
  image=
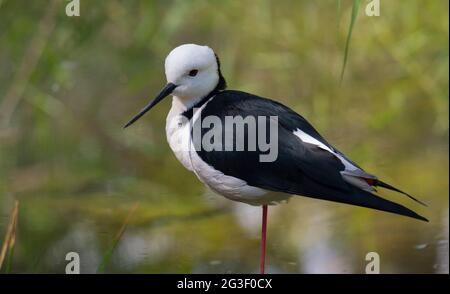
[{"x": 263, "y": 239}]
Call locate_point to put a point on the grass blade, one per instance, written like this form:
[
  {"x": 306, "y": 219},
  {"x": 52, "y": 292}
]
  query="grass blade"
[
  {"x": 9, "y": 259},
  {"x": 338, "y": 8},
  {"x": 355, "y": 9},
  {"x": 108, "y": 254},
  {"x": 10, "y": 238}
]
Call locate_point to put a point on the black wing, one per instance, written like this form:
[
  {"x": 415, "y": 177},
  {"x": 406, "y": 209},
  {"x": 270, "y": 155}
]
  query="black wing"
[{"x": 300, "y": 168}]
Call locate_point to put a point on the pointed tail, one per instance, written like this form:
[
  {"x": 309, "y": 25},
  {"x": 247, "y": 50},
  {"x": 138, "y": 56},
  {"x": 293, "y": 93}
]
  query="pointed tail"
[
  {"x": 359, "y": 197},
  {"x": 369, "y": 200},
  {"x": 382, "y": 184}
]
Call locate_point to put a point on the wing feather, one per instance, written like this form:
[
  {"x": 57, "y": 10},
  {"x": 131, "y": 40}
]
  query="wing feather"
[{"x": 300, "y": 168}]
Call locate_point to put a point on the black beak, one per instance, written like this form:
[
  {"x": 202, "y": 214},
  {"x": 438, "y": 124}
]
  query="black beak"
[{"x": 168, "y": 89}]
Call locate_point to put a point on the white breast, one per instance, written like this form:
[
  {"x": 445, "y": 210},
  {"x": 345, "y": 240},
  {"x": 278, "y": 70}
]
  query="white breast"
[{"x": 178, "y": 134}]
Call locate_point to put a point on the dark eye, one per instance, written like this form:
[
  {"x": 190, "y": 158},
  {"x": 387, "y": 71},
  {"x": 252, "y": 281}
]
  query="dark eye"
[{"x": 193, "y": 72}]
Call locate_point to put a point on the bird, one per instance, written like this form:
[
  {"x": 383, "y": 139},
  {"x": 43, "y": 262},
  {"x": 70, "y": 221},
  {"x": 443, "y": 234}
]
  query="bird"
[{"x": 305, "y": 164}]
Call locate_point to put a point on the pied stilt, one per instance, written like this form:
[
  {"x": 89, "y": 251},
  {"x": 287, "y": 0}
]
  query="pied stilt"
[{"x": 228, "y": 162}]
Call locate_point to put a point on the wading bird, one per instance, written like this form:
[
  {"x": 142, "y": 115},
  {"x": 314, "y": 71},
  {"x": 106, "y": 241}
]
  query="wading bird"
[{"x": 306, "y": 164}]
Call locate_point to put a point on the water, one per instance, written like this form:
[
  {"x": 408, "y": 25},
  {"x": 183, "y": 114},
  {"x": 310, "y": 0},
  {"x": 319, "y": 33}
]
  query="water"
[
  {"x": 213, "y": 235},
  {"x": 77, "y": 174}
]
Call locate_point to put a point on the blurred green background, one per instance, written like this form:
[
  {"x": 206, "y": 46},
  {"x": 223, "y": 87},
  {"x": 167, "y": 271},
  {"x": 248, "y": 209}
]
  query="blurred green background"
[{"x": 123, "y": 202}]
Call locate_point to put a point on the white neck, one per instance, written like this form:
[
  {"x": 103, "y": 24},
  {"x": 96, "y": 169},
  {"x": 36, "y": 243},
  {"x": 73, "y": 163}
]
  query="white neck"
[
  {"x": 178, "y": 131},
  {"x": 174, "y": 115},
  {"x": 180, "y": 105}
]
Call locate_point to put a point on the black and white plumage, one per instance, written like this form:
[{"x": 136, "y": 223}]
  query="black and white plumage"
[{"x": 306, "y": 164}]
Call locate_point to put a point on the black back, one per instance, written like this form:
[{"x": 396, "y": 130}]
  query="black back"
[{"x": 300, "y": 168}]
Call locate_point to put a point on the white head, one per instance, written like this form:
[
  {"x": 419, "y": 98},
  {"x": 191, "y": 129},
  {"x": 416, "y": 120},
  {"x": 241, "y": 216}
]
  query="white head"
[
  {"x": 192, "y": 72},
  {"x": 194, "y": 69}
]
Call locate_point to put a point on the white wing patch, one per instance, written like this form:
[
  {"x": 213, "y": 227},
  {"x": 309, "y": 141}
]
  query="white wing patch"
[
  {"x": 311, "y": 140},
  {"x": 351, "y": 174}
]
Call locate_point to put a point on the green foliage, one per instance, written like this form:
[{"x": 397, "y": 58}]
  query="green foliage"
[
  {"x": 70, "y": 84},
  {"x": 355, "y": 10}
]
